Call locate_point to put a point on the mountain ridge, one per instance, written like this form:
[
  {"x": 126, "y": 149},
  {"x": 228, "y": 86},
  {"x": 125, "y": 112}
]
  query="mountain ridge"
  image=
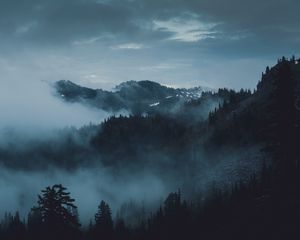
[{"x": 133, "y": 96}]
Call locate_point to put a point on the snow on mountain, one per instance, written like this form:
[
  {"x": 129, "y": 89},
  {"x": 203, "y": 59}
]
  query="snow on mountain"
[
  {"x": 154, "y": 104},
  {"x": 133, "y": 96}
]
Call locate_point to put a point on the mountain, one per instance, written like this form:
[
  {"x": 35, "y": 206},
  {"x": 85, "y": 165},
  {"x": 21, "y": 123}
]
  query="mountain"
[
  {"x": 239, "y": 168},
  {"x": 137, "y": 97},
  {"x": 225, "y": 134},
  {"x": 220, "y": 127},
  {"x": 244, "y": 130}
]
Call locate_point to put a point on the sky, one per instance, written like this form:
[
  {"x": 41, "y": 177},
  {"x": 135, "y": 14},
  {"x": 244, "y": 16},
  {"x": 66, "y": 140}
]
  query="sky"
[{"x": 180, "y": 43}]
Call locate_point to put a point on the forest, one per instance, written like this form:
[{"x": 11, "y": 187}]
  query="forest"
[{"x": 259, "y": 199}]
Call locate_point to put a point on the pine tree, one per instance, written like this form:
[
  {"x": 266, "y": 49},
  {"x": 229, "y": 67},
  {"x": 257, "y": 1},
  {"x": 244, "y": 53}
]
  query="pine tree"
[
  {"x": 58, "y": 212},
  {"x": 104, "y": 222}
]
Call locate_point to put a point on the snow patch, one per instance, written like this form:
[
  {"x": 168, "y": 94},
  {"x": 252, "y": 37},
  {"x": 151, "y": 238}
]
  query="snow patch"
[{"x": 154, "y": 104}]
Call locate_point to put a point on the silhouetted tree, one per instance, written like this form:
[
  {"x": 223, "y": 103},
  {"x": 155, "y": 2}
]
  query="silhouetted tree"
[
  {"x": 14, "y": 228},
  {"x": 121, "y": 231},
  {"x": 104, "y": 222},
  {"x": 34, "y": 223},
  {"x": 58, "y": 212}
]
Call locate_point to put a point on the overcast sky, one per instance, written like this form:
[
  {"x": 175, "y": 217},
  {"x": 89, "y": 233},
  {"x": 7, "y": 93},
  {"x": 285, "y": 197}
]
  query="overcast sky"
[{"x": 100, "y": 43}]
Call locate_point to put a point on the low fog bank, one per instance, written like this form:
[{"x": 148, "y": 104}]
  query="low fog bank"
[
  {"x": 32, "y": 117},
  {"x": 19, "y": 189},
  {"x": 39, "y": 148},
  {"x": 30, "y": 106},
  {"x": 145, "y": 188}
]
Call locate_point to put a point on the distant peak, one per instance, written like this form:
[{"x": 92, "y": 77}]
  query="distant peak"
[
  {"x": 134, "y": 83},
  {"x": 66, "y": 82}
]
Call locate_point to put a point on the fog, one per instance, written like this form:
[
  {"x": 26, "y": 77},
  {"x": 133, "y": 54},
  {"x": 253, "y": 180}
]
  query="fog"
[
  {"x": 32, "y": 105},
  {"x": 32, "y": 122},
  {"x": 31, "y": 113},
  {"x": 19, "y": 189},
  {"x": 147, "y": 186}
]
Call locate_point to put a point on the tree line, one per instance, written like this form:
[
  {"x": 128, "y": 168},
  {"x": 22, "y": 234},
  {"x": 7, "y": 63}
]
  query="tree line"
[{"x": 259, "y": 208}]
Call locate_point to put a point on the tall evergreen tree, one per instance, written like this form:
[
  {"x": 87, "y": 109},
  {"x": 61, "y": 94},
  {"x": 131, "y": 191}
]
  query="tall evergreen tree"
[
  {"x": 104, "y": 222},
  {"x": 58, "y": 212}
]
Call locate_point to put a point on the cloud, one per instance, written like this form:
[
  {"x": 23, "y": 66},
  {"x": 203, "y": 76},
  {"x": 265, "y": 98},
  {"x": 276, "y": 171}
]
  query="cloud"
[
  {"x": 27, "y": 103},
  {"x": 185, "y": 30},
  {"x": 165, "y": 66},
  {"x": 67, "y": 22},
  {"x": 87, "y": 41},
  {"x": 25, "y": 28},
  {"x": 32, "y": 108},
  {"x": 129, "y": 46},
  {"x": 92, "y": 31}
]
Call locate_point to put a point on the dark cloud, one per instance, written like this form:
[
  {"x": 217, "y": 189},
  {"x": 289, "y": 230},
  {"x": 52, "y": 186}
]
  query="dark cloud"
[
  {"x": 158, "y": 29},
  {"x": 67, "y": 20}
]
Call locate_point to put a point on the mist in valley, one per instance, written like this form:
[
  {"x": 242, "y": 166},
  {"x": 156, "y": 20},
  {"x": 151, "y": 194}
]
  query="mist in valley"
[{"x": 45, "y": 141}]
